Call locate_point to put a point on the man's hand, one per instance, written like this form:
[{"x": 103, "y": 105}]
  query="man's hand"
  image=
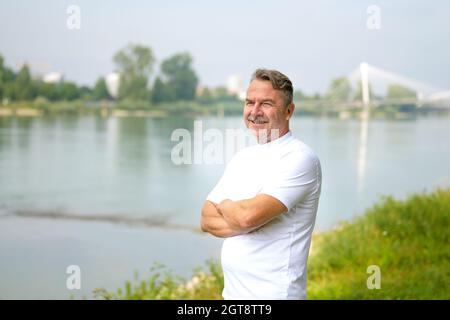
[{"x": 250, "y": 214}]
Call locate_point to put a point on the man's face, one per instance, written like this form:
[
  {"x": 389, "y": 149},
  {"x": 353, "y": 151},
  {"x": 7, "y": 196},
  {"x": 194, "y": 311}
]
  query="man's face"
[{"x": 265, "y": 113}]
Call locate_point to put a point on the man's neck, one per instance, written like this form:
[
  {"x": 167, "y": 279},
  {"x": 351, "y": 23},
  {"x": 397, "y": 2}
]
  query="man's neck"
[{"x": 272, "y": 136}]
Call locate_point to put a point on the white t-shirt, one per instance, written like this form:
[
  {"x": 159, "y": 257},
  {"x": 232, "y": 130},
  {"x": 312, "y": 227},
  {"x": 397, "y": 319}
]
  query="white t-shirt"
[{"x": 270, "y": 262}]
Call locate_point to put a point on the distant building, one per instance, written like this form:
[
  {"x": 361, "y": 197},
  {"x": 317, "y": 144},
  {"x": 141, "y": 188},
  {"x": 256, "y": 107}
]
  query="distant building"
[
  {"x": 199, "y": 90},
  {"x": 53, "y": 77},
  {"x": 235, "y": 87},
  {"x": 112, "y": 84},
  {"x": 234, "y": 84}
]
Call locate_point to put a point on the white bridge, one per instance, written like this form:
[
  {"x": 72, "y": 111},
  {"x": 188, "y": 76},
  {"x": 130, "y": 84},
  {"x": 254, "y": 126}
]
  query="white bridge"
[{"x": 371, "y": 76}]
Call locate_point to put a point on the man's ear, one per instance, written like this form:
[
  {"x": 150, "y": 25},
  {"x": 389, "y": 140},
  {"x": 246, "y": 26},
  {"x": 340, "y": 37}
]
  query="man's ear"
[{"x": 290, "y": 110}]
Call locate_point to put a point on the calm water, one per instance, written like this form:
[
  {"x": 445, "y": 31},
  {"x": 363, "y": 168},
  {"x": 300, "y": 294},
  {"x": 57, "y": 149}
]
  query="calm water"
[{"x": 103, "y": 193}]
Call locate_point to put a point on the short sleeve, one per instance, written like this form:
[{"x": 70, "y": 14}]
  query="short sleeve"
[
  {"x": 217, "y": 194},
  {"x": 296, "y": 176}
]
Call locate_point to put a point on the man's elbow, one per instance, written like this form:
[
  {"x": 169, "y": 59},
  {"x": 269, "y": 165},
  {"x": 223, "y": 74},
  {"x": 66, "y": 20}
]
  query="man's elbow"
[{"x": 203, "y": 225}]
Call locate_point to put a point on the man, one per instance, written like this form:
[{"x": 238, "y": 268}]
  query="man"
[{"x": 265, "y": 204}]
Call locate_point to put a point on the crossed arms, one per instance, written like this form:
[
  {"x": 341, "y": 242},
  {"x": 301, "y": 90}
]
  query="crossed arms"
[{"x": 230, "y": 218}]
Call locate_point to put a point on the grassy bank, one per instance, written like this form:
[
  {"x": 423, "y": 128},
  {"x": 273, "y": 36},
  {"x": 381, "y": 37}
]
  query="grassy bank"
[{"x": 407, "y": 239}]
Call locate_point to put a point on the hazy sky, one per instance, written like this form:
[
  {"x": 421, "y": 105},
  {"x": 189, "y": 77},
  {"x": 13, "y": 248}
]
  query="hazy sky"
[{"x": 312, "y": 42}]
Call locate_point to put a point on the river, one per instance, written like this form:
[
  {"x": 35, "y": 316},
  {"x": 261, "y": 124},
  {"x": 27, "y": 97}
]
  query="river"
[{"x": 106, "y": 195}]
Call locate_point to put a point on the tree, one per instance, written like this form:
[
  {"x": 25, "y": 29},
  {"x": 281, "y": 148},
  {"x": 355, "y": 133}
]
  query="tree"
[
  {"x": 162, "y": 92},
  {"x": 49, "y": 90},
  {"x": 23, "y": 85},
  {"x": 69, "y": 90},
  {"x": 221, "y": 94},
  {"x": 2, "y": 86},
  {"x": 135, "y": 65},
  {"x": 85, "y": 93},
  {"x": 7, "y": 81},
  {"x": 100, "y": 91},
  {"x": 339, "y": 89},
  {"x": 180, "y": 76},
  {"x": 396, "y": 91},
  {"x": 205, "y": 97}
]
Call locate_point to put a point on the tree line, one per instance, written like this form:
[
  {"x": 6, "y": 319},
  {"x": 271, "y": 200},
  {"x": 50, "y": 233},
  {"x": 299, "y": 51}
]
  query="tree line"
[
  {"x": 176, "y": 81},
  {"x": 340, "y": 89}
]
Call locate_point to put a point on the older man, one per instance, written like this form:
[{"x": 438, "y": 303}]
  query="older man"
[{"x": 266, "y": 202}]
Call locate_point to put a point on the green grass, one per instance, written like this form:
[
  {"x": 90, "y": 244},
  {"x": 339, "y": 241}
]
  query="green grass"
[
  {"x": 163, "y": 285},
  {"x": 408, "y": 241}
]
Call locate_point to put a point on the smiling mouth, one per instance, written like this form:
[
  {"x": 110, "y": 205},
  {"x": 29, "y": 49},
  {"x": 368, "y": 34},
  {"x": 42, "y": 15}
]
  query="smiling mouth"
[{"x": 257, "y": 121}]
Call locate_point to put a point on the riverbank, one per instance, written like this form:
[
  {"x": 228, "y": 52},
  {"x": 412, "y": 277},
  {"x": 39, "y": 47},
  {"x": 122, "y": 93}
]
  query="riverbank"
[
  {"x": 406, "y": 239},
  {"x": 193, "y": 108}
]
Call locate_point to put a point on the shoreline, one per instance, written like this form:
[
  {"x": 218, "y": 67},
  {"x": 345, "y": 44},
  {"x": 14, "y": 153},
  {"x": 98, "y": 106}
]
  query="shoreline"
[
  {"x": 158, "y": 113},
  {"x": 142, "y": 109}
]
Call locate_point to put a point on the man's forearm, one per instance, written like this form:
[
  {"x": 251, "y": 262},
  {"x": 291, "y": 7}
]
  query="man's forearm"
[
  {"x": 214, "y": 223},
  {"x": 217, "y": 226},
  {"x": 250, "y": 214},
  {"x": 236, "y": 214}
]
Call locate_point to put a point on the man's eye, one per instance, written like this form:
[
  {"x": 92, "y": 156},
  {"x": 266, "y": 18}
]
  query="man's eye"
[{"x": 267, "y": 104}]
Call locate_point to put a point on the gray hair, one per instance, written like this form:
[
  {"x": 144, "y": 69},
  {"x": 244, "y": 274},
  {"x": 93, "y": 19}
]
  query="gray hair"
[{"x": 279, "y": 82}]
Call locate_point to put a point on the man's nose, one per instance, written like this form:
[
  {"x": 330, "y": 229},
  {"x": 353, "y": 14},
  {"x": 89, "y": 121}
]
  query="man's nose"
[{"x": 257, "y": 109}]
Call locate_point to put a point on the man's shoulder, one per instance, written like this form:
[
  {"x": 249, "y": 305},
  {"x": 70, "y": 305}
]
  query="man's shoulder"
[
  {"x": 293, "y": 149},
  {"x": 296, "y": 148},
  {"x": 244, "y": 152}
]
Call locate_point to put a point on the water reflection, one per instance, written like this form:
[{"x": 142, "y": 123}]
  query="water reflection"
[
  {"x": 22, "y": 132},
  {"x": 112, "y": 133},
  {"x": 362, "y": 152},
  {"x": 132, "y": 144},
  {"x": 5, "y": 137}
]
